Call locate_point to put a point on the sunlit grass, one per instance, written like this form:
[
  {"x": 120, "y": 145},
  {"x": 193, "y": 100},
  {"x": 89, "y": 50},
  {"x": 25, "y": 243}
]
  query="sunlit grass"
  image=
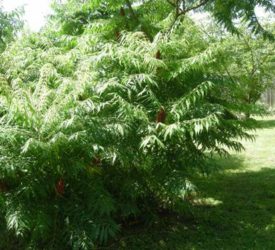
[{"x": 261, "y": 153}]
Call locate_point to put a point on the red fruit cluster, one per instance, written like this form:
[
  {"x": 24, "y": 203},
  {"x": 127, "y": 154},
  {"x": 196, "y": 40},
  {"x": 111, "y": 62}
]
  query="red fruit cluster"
[
  {"x": 96, "y": 161},
  {"x": 158, "y": 55},
  {"x": 60, "y": 186},
  {"x": 122, "y": 11},
  {"x": 118, "y": 35},
  {"x": 3, "y": 187},
  {"x": 161, "y": 116}
]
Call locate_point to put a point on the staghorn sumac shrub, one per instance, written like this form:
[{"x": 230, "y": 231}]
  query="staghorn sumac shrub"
[{"x": 96, "y": 128}]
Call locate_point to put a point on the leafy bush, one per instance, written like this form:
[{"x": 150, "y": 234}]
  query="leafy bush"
[{"x": 104, "y": 125}]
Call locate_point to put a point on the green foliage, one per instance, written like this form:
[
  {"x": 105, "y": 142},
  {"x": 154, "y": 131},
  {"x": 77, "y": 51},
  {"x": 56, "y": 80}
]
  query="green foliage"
[
  {"x": 251, "y": 66},
  {"x": 234, "y": 204},
  {"x": 225, "y": 12},
  {"x": 75, "y": 16},
  {"x": 105, "y": 116},
  {"x": 248, "y": 62},
  {"x": 10, "y": 24}
]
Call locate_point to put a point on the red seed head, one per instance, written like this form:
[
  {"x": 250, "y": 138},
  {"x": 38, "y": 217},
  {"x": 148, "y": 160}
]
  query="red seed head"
[
  {"x": 60, "y": 186},
  {"x": 96, "y": 161},
  {"x": 3, "y": 187},
  {"x": 122, "y": 11},
  {"x": 117, "y": 35},
  {"x": 161, "y": 115},
  {"x": 158, "y": 55}
]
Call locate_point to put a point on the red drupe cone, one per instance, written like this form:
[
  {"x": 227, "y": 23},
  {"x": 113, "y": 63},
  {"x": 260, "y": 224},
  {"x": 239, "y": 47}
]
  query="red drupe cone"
[
  {"x": 60, "y": 186},
  {"x": 161, "y": 116}
]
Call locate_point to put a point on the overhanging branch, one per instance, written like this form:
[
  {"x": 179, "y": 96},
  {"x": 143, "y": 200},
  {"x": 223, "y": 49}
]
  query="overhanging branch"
[{"x": 184, "y": 11}]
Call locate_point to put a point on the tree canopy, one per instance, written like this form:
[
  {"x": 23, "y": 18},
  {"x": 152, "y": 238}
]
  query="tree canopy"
[{"x": 10, "y": 24}]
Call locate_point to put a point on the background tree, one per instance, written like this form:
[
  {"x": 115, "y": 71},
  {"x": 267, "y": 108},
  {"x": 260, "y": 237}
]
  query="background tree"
[
  {"x": 251, "y": 66},
  {"x": 10, "y": 24},
  {"x": 248, "y": 62}
]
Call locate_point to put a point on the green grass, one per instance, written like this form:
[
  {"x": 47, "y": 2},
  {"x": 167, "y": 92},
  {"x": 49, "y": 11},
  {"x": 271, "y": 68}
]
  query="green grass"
[{"x": 239, "y": 212}]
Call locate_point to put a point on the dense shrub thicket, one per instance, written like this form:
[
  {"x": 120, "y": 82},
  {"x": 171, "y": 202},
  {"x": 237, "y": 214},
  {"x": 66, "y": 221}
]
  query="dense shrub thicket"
[{"x": 105, "y": 116}]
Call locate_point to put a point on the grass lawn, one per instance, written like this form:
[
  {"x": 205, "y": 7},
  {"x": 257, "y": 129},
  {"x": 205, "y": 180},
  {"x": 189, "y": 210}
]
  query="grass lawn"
[{"x": 241, "y": 211}]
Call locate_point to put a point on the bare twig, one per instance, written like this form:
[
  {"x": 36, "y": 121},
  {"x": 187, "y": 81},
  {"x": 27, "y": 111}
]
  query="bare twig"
[
  {"x": 184, "y": 11},
  {"x": 171, "y": 3},
  {"x": 254, "y": 67},
  {"x": 133, "y": 14}
]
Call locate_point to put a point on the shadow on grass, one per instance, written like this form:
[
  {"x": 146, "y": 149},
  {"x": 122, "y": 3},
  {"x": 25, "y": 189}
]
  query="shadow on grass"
[
  {"x": 219, "y": 164},
  {"x": 266, "y": 124},
  {"x": 245, "y": 218}
]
